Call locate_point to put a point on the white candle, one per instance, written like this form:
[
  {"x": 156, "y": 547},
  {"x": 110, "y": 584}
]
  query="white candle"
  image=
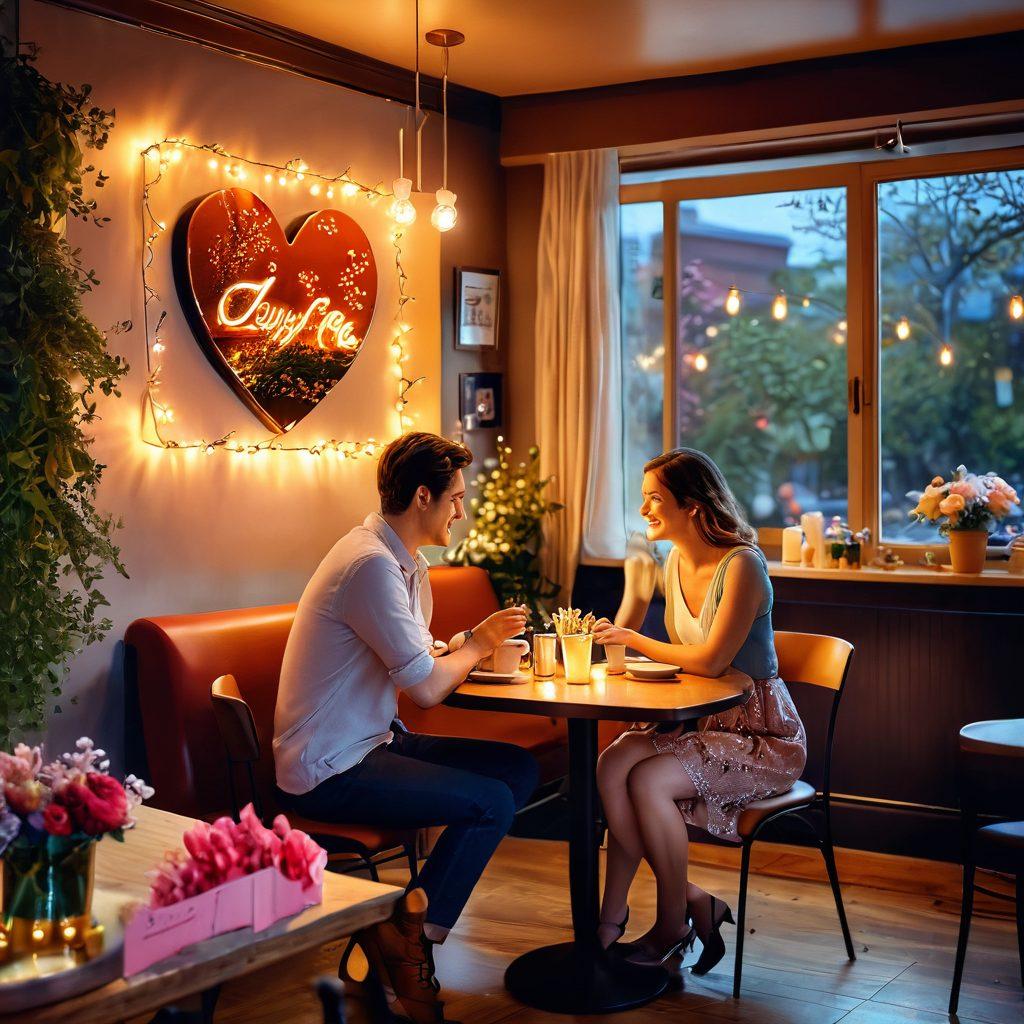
[{"x": 792, "y": 539}]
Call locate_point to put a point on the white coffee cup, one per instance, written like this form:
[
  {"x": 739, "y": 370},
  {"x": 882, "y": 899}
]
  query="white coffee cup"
[
  {"x": 615, "y": 655},
  {"x": 505, "y": 659}
]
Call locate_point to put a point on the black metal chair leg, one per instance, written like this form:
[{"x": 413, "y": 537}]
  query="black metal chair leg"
[
  {"x": 1020, "y": 923},
  {"x": 825, "y": 844},
  {"x": 414, "y": 865},
  {"x": 741, "y": 920},
  {"x": 966, "y": 908},
  {"x": 332, "y": 998}
]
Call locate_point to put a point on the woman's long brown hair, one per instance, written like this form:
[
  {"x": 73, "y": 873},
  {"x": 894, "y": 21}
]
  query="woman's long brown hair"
[{"x": 696, "y": 482}]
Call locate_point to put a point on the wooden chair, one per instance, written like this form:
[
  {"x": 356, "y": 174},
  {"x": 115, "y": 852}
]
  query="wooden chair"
[
  {"x": 991, "y": 782},
  {"x": 815, "y": 661},
  {"x": 366, "y": 845}
]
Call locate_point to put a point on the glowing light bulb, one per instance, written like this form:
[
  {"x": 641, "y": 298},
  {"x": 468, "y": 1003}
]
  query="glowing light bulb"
[
  {"x": 946, "y": 355},
  {"x": 38, "y": 934},
  {"x": 780, "y": 307},
  {"x": 903, "y": 328},
  {"x": 839, "y": 338},
  {"x": 176, "y": 156},
  {"x": 396, "y": 350},
  {"x": 268, "y": 178},
  {"x": 842, "y": 325},
  {"x": 314, "y": 190},
  {"x": 806, "y": 302},
  {"x": 282, "y": 180},
  {"x": 401, "y": 210},
  {"x": 350, "y": 188},
  {"x": 212, "y": 164},
  {"x": 700, "y": 362},
  {"x": 445, "y": 215},
  {"x": 1017, "y": 307},
  {"x": 712, "y": 331},
  {"x": 158, "y": 347},
  {"x": 732, "y": 301},
  {"x": 69, "y": 932},
  {"x": 330, "y": 193}
]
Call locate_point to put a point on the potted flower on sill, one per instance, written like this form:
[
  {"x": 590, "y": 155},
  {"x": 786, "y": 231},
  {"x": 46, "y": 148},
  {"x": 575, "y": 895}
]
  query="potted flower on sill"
[
  {"x": 969, "y": 504},
  {"x": 50, "y": 819}
]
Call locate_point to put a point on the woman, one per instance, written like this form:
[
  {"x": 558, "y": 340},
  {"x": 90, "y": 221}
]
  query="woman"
[{"x": 718, "y": 602}]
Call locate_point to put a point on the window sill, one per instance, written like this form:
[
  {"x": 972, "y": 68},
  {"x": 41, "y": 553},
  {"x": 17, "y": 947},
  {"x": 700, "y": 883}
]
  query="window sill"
[{"x": 990, "y": 577}]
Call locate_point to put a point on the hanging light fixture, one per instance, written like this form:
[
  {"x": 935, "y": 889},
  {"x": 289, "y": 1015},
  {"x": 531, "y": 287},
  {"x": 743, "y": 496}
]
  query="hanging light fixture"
[
  {"x": 780, "y": 307},
  {"x": 445, "y": 215},
  {"x": 401, "y": 210},
  {"x": 1017, "y": 307},
  {"x": 732, "y": 301},
  {"x": 946, "y": 355},
  {"x": 903, "y": 328}
]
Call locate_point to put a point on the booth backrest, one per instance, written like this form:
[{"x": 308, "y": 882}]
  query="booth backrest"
[{"x": 172, "y": 660}]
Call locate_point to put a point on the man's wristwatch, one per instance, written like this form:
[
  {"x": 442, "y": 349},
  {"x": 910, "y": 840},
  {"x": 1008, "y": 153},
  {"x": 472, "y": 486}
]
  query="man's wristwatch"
[{"x": 468, "y": 634}]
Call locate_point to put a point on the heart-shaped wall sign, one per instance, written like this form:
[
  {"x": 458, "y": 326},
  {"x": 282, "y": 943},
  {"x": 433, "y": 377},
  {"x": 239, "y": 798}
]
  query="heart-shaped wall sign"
[{"x": 281, "y": 321}]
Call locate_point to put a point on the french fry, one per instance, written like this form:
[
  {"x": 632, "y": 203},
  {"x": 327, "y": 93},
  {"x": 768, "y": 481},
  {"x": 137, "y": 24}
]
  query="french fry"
[{"x": 572, "y": 622}]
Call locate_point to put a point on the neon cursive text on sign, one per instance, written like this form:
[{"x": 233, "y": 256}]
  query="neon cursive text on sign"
[{"x": 280, "y": 322}]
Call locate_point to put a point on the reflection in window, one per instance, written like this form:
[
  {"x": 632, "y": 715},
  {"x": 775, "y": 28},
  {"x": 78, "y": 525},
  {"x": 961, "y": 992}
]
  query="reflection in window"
[
  {"x": 951, "y": 328},
  {"x": 762, "y": 348}
]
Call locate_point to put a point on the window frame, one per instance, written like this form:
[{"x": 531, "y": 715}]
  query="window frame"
[{"x": 861, "y": 180}]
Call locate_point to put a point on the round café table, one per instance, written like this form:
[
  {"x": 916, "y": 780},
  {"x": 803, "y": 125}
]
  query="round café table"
[{"x": 579, "y": 977}]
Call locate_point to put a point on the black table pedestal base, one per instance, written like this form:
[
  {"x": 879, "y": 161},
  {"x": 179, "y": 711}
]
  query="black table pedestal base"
[{"x": 571, "y": 978}]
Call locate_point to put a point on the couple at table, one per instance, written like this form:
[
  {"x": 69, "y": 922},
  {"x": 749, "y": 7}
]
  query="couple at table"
[{"x": 361, "y": 633}]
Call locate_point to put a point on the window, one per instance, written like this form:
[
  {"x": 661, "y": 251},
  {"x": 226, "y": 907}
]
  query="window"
[
  {"x": 832, "y": 336},
  {"x": 950, "y": 261}
]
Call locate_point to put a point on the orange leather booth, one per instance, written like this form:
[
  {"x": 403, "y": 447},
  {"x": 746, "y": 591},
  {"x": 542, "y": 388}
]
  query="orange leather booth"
[{"x": 172, "y": 660}]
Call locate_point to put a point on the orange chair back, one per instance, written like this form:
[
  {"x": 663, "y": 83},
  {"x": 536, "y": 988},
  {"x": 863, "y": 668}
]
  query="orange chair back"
[
  {"x": 813, "y": 659},
  {"x": 235, "y": 721}
]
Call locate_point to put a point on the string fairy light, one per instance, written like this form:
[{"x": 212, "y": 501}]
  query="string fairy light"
[{"x": 157, "y": 159}]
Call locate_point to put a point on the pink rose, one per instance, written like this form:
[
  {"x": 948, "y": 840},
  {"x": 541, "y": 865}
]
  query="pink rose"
[{"x": 96, "y": 804}]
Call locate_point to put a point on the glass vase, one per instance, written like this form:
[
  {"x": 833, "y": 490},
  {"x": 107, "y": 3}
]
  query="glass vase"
[
  {"x": 47, "y": 895},
  {"x": 576, "y": 652}
]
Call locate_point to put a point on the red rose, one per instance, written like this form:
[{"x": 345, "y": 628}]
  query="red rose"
[
  {"x": 97, "y": 804},
  {"x": 57, "y": 821}
]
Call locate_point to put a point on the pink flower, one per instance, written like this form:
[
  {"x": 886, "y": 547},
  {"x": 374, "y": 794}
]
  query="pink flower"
[
  {"x": 21, "y": 766},
  {"x": 964, "y": 488},
  {"x": 24, "y": 797},
  {"x": 97, "y": 804}
]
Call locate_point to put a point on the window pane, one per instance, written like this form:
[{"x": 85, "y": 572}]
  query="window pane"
[
  {"x": 643, "y": 347},
  {"x": 951, "y": 258},
  {"x": 762, "y": 384}
]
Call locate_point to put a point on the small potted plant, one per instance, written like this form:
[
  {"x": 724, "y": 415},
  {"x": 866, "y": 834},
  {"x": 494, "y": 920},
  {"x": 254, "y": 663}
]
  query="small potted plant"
[
  {"x": 51, "y": 816},
  {"x": 575, "y": 632},
  {"x": 968, "y": 504}
]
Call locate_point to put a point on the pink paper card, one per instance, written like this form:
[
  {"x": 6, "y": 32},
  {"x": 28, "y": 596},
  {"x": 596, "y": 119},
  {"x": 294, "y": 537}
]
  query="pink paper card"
[
  {"x": 275, "y": 896},
  {"x": 232, "y": 907},
  {"x": 152, "y": 935}
]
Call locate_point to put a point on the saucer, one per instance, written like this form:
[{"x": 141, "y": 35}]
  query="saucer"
[
  {"x": 651, "y": 671},
  {"x": 478, "y": 675}
]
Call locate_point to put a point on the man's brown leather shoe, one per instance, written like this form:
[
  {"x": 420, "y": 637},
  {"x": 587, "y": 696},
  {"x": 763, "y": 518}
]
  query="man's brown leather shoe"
[{"x": 400, "y": 955}]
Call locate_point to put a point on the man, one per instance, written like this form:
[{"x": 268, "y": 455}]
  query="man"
[{"x": 360, "y": 634}]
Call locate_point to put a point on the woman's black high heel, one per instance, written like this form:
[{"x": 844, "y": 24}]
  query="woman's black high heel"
[
  {"x": 621, "y": 926},
  {"x": 714, "y": 945},
  {"x": 641, "y": 958}
]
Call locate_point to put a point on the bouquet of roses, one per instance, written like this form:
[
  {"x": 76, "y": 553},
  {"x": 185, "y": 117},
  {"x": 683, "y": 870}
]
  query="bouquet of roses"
[
  {"x": 74, "y": 796},
  {"x": 227, "y": 850},
  {"x": 967, "y": 501}
]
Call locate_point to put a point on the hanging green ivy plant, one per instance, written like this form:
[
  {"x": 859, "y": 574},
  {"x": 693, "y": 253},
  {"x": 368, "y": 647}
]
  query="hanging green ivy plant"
[{"x": 54, "y": 545}]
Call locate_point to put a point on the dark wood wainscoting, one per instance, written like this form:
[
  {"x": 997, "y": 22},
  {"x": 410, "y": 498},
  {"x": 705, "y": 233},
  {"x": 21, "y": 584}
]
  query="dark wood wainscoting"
[{"x": 929, "y": 658}]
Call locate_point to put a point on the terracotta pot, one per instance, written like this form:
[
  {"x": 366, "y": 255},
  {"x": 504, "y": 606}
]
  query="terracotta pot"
[{"x": 967, "y": 550}]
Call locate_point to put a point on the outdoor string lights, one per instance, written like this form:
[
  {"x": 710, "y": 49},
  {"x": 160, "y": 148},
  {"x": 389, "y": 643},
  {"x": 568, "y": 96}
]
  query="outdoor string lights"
[{"x": 158, "y": 158}]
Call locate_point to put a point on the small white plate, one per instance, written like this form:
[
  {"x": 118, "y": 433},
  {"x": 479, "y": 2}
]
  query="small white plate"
[
  {"x": 648, "y": 671},
  {"x": 478, "y": 675}
]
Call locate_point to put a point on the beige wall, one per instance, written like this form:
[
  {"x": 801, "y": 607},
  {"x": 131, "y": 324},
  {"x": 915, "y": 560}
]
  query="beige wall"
[{"x": 230, "y": 530}]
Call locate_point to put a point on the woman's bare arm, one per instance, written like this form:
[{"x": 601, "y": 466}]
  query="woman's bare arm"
[{"x": 742, "y": 598}]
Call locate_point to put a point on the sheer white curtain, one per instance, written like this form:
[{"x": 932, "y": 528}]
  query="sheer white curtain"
[{"x": 577, "y": 372}]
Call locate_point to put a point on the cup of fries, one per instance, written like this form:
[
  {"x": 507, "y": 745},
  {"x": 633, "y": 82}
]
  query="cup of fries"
[{"x": 574, "y": 630}]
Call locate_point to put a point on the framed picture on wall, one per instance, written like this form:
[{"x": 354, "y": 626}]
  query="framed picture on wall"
[
  {"x": 477, "y": 296},
  {"x": 480, "y": 400}
]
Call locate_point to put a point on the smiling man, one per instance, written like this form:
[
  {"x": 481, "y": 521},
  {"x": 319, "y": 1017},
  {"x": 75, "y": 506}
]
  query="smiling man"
[{"x": 360, "y": 634}]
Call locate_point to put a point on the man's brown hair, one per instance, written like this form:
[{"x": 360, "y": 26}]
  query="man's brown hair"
[{"x": 417, "y": 460}]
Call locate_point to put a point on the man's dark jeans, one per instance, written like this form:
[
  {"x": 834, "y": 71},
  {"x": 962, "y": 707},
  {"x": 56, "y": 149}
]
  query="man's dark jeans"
[{"x": 474, "y": 787}]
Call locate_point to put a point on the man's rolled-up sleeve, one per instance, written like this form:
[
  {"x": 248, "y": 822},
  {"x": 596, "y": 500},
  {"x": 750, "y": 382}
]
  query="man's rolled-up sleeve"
[{"x": 376, "y": 607}]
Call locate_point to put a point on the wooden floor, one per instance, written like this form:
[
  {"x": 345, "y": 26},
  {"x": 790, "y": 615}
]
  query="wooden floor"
[{"x": 795, "y": 968}]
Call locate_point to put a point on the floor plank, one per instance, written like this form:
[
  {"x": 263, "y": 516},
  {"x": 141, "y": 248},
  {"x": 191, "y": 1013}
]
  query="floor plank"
[{"x": 795, "y": 969}]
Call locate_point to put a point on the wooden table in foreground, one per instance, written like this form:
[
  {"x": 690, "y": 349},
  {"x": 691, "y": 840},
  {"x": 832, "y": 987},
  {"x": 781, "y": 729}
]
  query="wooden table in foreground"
[
  {"x": 578, "y": 976},
  {"x": 348, "y": 905}
]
